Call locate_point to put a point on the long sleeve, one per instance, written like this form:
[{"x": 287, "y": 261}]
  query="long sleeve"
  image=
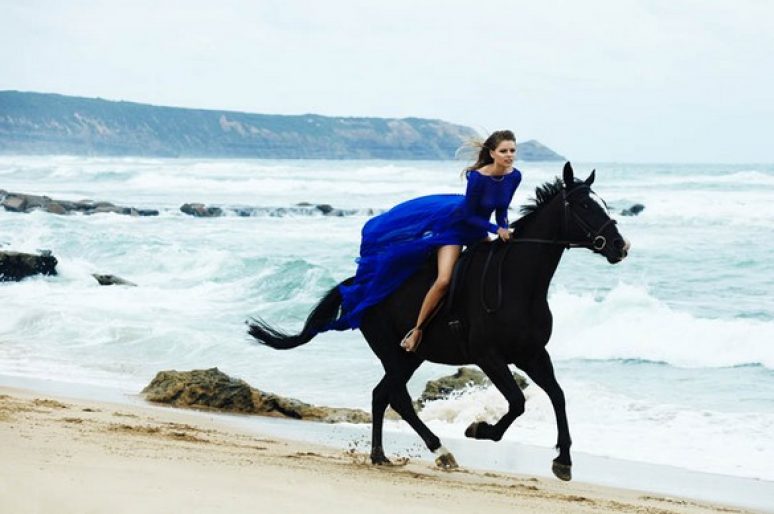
[
  {"x": 473, "y": 196},
  {"x": 501, "y": 212},
  {"x": 501, "y": 215}
]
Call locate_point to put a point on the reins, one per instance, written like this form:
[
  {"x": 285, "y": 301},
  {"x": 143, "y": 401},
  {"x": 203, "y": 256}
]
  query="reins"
[
  {"x": 499, "y": 300},
  {"x": 596, "y": 242}
]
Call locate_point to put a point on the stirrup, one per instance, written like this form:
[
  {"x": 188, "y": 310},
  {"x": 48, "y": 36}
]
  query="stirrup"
[{"x": 404, "y": 341}]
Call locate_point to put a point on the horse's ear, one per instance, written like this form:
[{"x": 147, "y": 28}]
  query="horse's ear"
[
  {"x": 569, "y": 180},
  {"x": 590, "y": 180}
]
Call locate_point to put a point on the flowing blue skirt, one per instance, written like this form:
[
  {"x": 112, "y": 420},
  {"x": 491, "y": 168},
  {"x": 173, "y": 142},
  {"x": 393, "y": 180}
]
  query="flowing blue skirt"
[{"x": 396, "y": 244}]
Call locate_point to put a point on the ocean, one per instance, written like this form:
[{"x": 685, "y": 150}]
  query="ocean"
[{"x": 665, "y": 358}]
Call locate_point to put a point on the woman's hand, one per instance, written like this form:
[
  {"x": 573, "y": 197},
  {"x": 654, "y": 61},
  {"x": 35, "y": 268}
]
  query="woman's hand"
[{"x": 504, "y": 233}]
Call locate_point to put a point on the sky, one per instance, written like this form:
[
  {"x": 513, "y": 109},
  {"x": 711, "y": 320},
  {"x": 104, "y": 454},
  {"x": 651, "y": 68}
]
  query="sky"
[{"x": 599, "y": 80}]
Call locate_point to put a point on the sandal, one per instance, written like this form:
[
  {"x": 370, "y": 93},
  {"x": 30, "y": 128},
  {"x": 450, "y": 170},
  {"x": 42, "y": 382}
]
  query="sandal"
[{"x": 404, "y": 343}]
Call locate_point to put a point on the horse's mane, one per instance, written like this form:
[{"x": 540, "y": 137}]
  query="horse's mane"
[{"x": 543, "y": 195}]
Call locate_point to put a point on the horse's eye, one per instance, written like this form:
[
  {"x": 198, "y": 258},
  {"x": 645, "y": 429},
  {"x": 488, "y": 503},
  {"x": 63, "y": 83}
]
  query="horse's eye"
[{"x": 585, "y": 205}]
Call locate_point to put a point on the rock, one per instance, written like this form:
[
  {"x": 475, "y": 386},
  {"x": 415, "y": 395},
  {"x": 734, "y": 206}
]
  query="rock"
[
  {"x": 15, "y": 266},
  {"x": 213, "y": 389},
  {"x": 634, "y": 210},
  {"x": 18, "y": 202},
  {"x": 109, "y": 280},
  {"x": 14, "y": 203},
  {"x": 84, "y": 205},
  {"x": 103, "y": 208},
  {"x": 36, "y": 202},
  {"x": 56, "y": 208},
  {"x": 462, "y": 379},
  {"x": 201, "y": 211},
  {"x": 298, "y": 209},
  {"x": 272, "y": 405},
  {"x": 243, "y": 212},
  {"x": 200, "y": 388},
  {"x": 67, "y": 206}
]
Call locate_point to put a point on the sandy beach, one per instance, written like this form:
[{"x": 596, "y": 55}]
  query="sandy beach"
[{"x": 73, "y": 456}]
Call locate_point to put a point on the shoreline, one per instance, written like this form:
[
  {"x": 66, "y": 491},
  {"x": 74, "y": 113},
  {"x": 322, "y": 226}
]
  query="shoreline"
[{"x": 336, "y": 454}]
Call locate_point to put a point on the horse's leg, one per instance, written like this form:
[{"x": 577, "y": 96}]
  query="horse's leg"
[
  {"x": 379, "y": 402},
  {"x": 401, "y": 402},
  {"x": 398, "y": 367},
  {"x": 496, "y": 368},
  {"x": 541, "y": 371},
  {"x": 384, "y": 343}
]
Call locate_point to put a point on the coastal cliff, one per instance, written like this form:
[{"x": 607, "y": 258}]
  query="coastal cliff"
[{"x": 37, "y": 123}]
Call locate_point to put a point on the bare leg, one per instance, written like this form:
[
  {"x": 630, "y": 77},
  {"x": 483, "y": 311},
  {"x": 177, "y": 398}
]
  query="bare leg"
[{"x": 447, "y": 257}]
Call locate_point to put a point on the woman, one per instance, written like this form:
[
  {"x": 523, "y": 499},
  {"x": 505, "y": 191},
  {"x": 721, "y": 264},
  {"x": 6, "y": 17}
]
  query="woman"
[{"x": 398, "y": 242}]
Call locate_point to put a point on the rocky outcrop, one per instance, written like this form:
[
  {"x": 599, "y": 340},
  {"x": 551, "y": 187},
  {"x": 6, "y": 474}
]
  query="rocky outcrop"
[
  {"x": 213, "y": 389},
  {"x": 463, "y": 379},
  {"x": 634, "y": 210},
  {"x": 15, "y": 266},
  {"x": 111, "y": 280},
  {"x": 200, "y": 210},
  {"x": 20, "y": 202},
  {"x": 302, "y": 209}
]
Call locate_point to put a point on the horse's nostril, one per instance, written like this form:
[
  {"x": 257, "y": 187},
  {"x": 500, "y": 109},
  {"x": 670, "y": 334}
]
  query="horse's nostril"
[{"x": 618, "y": 243}]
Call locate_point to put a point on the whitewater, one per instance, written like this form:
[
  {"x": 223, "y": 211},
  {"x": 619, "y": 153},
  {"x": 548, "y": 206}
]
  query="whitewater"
[{"x": 666, "y": 358}]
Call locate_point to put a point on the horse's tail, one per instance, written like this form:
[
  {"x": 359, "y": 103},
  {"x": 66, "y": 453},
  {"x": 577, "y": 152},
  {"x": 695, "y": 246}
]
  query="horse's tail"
[{"x": 324, "y": 313}]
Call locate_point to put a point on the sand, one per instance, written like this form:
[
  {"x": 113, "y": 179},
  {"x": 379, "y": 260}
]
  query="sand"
[{"x": 61, "y": 455}]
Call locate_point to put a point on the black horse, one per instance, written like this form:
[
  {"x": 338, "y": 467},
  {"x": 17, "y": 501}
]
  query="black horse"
[{"x": 503, "y": 307}]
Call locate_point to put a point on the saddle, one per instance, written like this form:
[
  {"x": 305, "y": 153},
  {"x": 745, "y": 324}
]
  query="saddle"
[{"x": 452, "y": 302}]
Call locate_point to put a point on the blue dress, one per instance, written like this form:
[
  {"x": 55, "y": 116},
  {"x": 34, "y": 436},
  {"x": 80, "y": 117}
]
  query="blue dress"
[{"x": 397, "y": 243}]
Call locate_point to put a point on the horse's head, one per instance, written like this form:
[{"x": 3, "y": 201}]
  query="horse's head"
[{"x": 588, "y": 221}]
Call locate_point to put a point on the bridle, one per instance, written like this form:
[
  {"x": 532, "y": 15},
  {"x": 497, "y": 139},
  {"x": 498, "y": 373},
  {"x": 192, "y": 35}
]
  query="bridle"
[{"x": 595, "y": 241}]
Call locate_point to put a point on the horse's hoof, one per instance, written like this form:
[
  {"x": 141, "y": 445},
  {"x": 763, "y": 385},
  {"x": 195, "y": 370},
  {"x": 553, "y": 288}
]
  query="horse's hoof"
[
  {"x": 481, "y": 430},
  {"x": 562, "y": 471},
  {"x": 379, "y": 459},
  {"x": 445, "y": 459}
]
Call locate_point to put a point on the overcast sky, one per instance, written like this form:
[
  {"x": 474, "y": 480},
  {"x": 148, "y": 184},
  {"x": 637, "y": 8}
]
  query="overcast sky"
[{"x": 600, "y": 80}]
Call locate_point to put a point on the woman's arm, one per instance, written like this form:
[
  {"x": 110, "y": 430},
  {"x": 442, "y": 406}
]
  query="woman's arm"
[
  {"x": 501, "y": 216},
  {"x": 472, "y": 200},
  {"x": 501, "y": 213}
]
